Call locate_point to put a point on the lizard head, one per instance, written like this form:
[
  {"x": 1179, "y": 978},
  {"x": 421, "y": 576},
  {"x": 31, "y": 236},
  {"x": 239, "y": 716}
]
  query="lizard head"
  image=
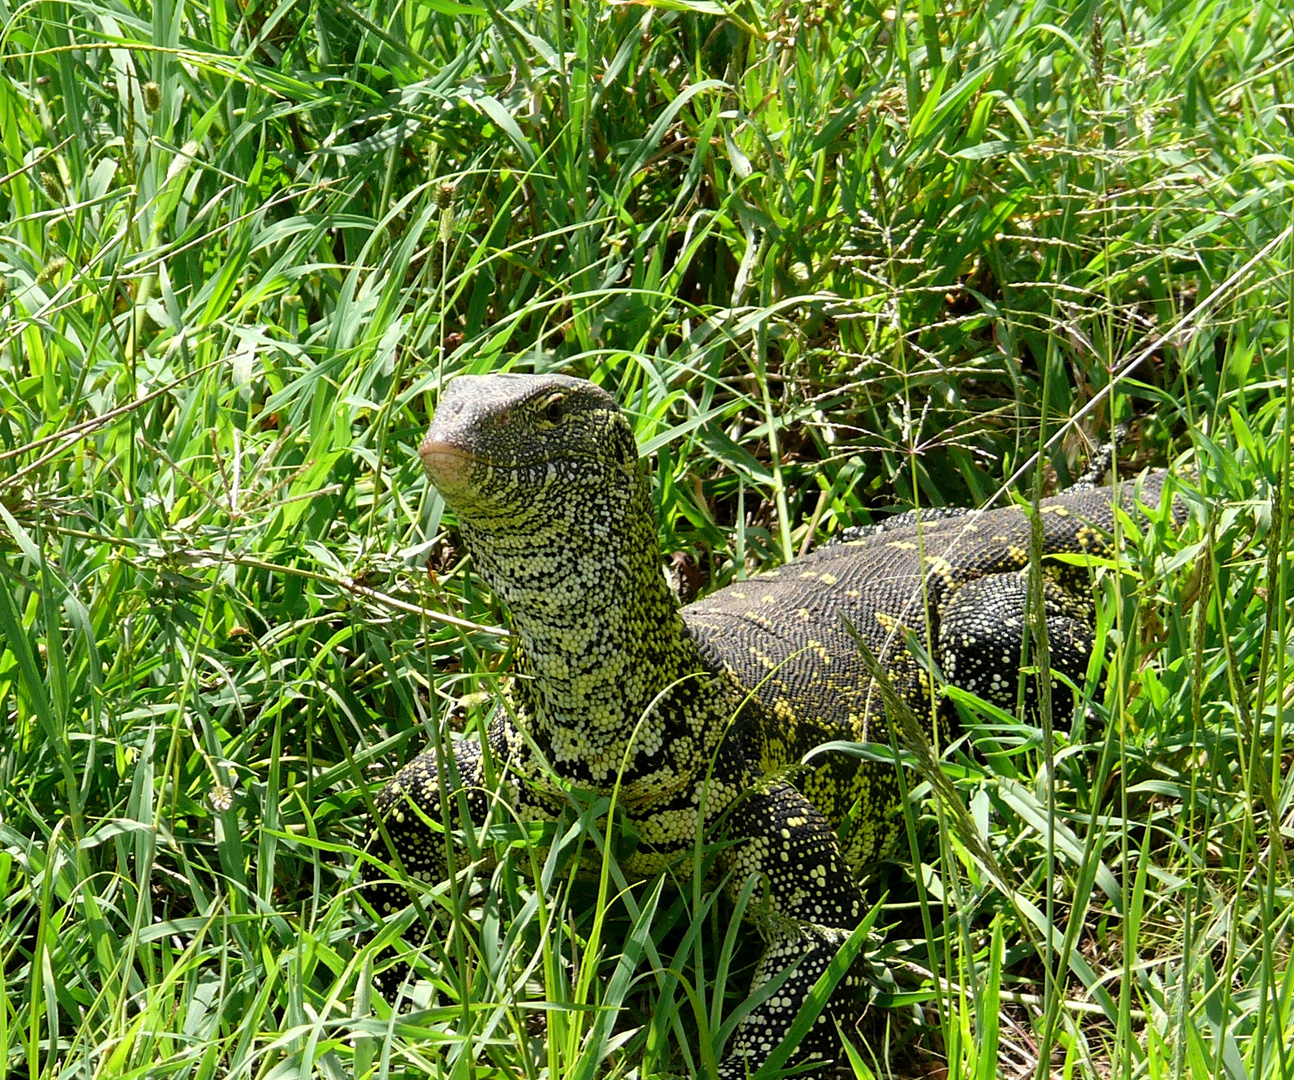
[{"x": 520, "y": 448}]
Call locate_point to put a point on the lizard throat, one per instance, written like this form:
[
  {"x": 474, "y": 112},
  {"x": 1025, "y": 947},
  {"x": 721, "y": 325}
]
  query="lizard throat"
[
  {"x": 602, "y": 685},
  {"x": 607, "y": 674}
]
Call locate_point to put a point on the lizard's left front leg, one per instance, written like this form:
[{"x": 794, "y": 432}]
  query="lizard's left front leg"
[{"x": 815, "y": 902}]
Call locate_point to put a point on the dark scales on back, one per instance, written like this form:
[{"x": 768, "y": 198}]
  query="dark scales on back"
[{"x": 698, "y": 710}]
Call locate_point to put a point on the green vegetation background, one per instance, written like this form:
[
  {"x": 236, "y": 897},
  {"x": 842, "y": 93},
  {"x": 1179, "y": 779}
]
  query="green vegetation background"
[{"x": 833, "y": 259}]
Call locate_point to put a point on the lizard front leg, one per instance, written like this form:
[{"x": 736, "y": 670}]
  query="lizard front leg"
[
  {"x": 415, "y": 809},
  {"x": 814, "y": 905}
]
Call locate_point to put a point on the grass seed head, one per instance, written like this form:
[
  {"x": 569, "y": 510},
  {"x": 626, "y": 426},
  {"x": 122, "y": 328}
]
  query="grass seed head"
[
  {"x": 445, "y": 202},
  {"x": 51, "y": 270},
  {"x": 53, "y": 187}
]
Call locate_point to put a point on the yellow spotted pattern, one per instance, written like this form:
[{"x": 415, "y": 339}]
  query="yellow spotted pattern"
[{"x": 698, "y": 716}]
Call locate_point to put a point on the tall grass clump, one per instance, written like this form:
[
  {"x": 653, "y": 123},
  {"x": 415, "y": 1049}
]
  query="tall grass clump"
[{"x": 832, "y": 260}]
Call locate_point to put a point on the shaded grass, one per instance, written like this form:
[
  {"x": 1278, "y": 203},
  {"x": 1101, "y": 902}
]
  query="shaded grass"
[{"x": 830, "y": 261}]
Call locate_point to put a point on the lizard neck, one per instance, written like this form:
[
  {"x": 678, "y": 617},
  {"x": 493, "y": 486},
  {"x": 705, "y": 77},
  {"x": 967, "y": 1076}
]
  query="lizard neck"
[{"x": 607, "y": 673}]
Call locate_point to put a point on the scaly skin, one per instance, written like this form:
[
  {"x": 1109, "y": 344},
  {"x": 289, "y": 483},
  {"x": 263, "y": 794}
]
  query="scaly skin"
[{"x": 703, "y": 710}]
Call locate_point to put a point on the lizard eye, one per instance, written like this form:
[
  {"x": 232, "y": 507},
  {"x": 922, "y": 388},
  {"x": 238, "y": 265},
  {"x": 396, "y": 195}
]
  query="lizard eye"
[{"x": 555, "y": 408}]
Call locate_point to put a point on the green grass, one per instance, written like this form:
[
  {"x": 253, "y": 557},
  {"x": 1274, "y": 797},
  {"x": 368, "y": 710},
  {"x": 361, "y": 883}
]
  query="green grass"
[{"x": 832, "y": 259}]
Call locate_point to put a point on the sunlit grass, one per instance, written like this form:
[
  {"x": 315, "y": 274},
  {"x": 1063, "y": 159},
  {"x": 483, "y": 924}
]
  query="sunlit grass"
[{"x": 831, "y": 260}]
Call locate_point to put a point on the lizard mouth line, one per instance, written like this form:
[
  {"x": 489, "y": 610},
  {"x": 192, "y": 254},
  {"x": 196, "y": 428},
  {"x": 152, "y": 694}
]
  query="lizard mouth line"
[
  {"x": 447, "y": 454},
  {"x": 442, "y": 451}
]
